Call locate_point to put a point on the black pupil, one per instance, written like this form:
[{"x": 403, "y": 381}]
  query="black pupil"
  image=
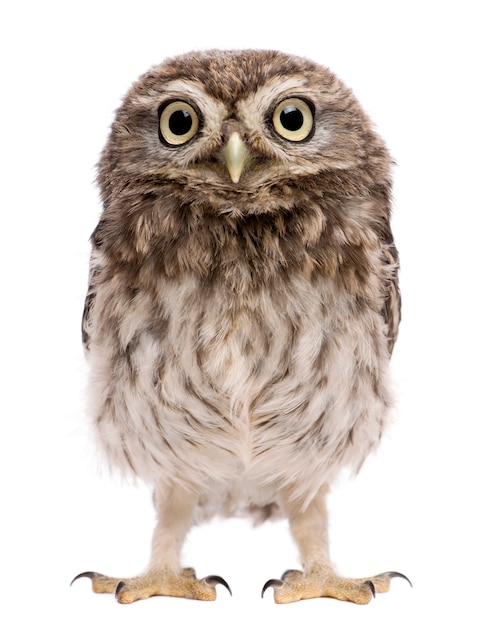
[
  {"x": 291, "y": 118},
  {"x": 180, "y": 122}
]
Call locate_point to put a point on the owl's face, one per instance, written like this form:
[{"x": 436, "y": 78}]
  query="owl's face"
[{"x": 226, "y": 125}]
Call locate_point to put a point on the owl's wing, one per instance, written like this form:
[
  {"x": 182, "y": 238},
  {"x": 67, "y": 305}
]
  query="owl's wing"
[
  {"x": 393, "y": 301},
  {"x": 86, "y": 321},
  {"x": 94, "y": 271}
]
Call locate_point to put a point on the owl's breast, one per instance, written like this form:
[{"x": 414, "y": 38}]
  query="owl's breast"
[{"x": 283, "y": 383}]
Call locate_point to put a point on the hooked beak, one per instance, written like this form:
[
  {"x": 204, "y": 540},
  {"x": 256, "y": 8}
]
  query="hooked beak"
[{"x": 235, "y": 155}]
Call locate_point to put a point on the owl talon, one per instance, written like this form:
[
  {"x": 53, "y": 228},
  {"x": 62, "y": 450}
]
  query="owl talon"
[
  {"x": 89, "y": 575},
  {"x": 273, "y": 582},
  {"x": 216, "y": 580},
  {"x": 398, "y": 575},
  {"x": 119, "y": 587},
  {"x": 290, "y": 574},
  {"x": 99, "y": 582},
  {"x": 371, "y": 586}
]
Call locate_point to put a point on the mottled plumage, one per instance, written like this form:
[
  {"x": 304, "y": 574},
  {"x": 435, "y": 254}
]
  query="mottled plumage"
[{"x": 243, "y": 302}]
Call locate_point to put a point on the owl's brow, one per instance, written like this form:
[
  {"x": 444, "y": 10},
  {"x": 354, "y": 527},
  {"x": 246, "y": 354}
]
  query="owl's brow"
[
  {"x": 182, "y": 87},
  {"x": 276, "y": 88}
]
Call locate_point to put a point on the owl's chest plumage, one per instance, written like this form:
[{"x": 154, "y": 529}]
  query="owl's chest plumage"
[{"x": 249, "y": 385}]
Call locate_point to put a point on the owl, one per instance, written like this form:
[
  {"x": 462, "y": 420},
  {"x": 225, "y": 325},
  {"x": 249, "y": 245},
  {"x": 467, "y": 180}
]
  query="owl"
[{"x": 242, "y": 308}]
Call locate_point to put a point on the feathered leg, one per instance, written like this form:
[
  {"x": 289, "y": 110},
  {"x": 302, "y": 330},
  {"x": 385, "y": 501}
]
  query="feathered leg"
[
  {"x": 309, "y": 528},
  {"x": 164, "y": 576}
]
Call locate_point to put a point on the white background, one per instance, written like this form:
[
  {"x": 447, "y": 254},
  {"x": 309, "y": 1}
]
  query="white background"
[{"x": 418, "y": 505}]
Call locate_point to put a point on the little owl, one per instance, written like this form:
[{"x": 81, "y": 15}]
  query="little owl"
[{"x": 242, "y": 307}]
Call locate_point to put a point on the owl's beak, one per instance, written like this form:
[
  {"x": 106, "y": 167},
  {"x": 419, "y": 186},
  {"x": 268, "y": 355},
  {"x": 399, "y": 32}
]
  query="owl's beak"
[{"x": 235, "y": 155}]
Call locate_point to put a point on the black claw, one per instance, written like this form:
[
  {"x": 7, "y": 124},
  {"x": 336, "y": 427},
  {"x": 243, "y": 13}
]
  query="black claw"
[
  {"x": 371, "y": 586},
  {"x": 273, "y": 582},
  {"x": 89, "y": 575},
  {"x": 189, "y": 572},
  {"x": 119, "y": 587},
  {"x": 288, "y": 572},
  {"x": 217, "y": 580},
  {"x": 398, "y": 575}
]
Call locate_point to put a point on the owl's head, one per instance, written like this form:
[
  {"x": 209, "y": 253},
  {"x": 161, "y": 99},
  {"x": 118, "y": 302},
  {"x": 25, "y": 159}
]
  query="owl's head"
[{"x": 237, "y": 128}]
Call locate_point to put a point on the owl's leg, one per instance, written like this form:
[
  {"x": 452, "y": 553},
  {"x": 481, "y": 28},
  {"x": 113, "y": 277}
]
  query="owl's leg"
[
  {"x": 309, "y": 529},
  {"x": 164, "y": 576}
]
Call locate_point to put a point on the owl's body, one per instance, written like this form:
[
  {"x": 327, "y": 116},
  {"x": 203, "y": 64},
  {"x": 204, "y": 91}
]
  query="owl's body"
[{"x": 243, "y": 299}]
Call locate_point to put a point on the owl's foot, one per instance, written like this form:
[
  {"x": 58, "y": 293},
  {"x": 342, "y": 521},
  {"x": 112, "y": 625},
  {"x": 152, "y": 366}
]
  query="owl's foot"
[
  {"x": 295, "y": 585},
  {"x": 156, "y": 583}
]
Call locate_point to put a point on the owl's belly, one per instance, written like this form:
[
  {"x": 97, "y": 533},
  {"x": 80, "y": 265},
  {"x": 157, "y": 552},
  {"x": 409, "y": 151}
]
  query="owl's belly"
[{"x": 281, "y": 392}]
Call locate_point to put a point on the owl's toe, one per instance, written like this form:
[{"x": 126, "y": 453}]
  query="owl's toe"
[
  {"x": 156, "y": 583},
  {"x": 183, "y": 585},
  {"x": 382, "y": 581},
  {"x": 295, "y": 585},
  {"x": 99, "y": 582}
]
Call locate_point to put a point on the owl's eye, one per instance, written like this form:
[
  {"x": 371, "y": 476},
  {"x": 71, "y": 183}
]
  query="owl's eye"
[
  {"x": 293, "y": 119},
  {"x": 178, "y": 122}
]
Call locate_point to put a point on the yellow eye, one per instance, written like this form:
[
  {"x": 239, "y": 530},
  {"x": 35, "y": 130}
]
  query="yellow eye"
[
  {"x": 178, "y": 122},
  {"x": 293, "y": 119}
]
